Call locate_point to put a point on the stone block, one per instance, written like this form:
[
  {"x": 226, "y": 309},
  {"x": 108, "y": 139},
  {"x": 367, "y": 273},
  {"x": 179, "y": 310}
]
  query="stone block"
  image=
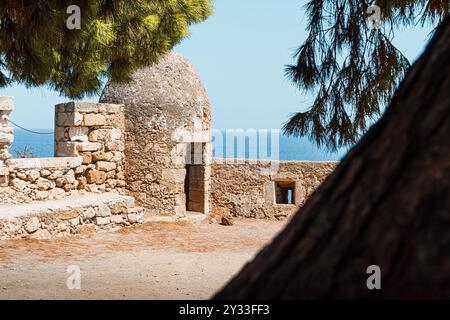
[
  {"x": 12, "y": 226},
  {"x": 6, "y": 103},
  {"x": 69, "y": 119},
  {"x": 56, "y": 193},
  {"x": 60, "y": 134},
  {"x": 18, "y": 184},
  {"x": 78, "y": 134},
  {"x": 74, "y": 222},
  {"x": 87, "y": 157},
  {"x": 80, "y": 170},
  {"x": 85, "y": 229},
  {"x": 110, "y": 108},
  {"x": 42, "y": 195},
  {"x": 119, "y": 208},
  {"x": 102, "y": 156},
  {"x": 136, "y": 215},
  {"x": 55, "y": 175},
  {"x": 102, "y": 221},
  {"x": 89, "y": 146},
  {"x": 32, "y": 225},
  {"x": 105, "y": 135},
  {"x": 117, "y": 157},
  {"x": 41, "y": 234},
  {"x": 42, "y": 163},
  {"x": 33, "y": 175},
  {"x": 82, "y": 182},
  {"x": 45, "y": 173},
  {"x": 66, "y": 149},
  {"x": 45, "y": 184},
  {"x": 103, "y": 210},
  {"x": 6, "y": 138},
  {"x": 68, "y": 215},
  {"x": 132, "y": 218},
  {"x": 6, "y": 129},
  {"x": 106, "y": 166},
  {"x": 69, "y": 177},
  {"x": 117, "y": 219},
  {"x": 4, "y": 170},
  {"x": 94, "y": 120},
  {"x": 95, "y": 176},
  {"x": 4, "y": 180},
  {"x": 88, "y": 213},
  {"x": 83, "y": 107}
]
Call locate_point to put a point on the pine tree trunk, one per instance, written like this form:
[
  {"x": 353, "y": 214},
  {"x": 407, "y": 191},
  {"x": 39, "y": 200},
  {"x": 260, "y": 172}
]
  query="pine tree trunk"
[{"x": 386, "y": 204}]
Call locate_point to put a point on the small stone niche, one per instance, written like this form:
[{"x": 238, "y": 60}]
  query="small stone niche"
[{"x": 285, "y": 192}]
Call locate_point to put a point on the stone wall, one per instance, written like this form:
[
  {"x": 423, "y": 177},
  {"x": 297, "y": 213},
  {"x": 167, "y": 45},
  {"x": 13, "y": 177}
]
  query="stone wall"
[
  {"x": 81, "y": 215},
  {"x": 94, "y": 131},
  {"x": 89, "y": 150},
  {"x": 246, "y": 190},
  {"x": 40, "y": 179}
]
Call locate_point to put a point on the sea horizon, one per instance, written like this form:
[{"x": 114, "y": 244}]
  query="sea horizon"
[{"x": 41, "y": 144}]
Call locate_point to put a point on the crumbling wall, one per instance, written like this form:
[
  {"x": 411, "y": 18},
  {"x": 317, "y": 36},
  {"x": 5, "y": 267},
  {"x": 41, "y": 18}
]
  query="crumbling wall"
[
  {"x": 89, "y": 150},
  {"x": 248, "y": 188},
  {"x": 94, "y": 131},
  {"x": 39, "y": 179}
]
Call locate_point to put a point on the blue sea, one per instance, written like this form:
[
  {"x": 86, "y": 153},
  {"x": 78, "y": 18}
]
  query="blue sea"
[{"x": 288, "y": 148}]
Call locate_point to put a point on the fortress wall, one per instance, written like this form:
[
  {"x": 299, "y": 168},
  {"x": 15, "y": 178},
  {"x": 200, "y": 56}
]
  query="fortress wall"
[{"x": 248, "y": 189}]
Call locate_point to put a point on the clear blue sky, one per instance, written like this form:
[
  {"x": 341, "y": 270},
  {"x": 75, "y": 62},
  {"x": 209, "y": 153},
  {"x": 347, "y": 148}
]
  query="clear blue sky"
[{"x": 239, "y": 53}]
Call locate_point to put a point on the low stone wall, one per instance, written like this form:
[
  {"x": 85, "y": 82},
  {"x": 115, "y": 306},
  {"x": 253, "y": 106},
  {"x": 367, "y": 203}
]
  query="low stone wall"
[
  {"x": 59, "y": 218},
  {"x": 249, "y": 189},
  {"x": 89, "y": 150},
  {"x": 40, "y": 179}
]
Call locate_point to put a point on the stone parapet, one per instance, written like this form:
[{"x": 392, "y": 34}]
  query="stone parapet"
[
  {"x": 82, "y": 215},
  {"x": 46, "y": 163}
]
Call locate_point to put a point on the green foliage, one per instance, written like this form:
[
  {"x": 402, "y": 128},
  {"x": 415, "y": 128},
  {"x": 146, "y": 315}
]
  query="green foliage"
[
  {"x": 353, "y": 70},
  {"x": 116, "y": 38}
]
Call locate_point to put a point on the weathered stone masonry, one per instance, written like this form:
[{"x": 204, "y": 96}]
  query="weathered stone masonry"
[
  {"x": 89, "y": 150},
  {"x": 245, "y": 190},
  {"x": 167, "y": 114},
  {"x": 94, "y": 131},
  {"x": 82, "y": 215},
  {"x": 154, "y": 144},
  {"x": 76, "y": 192}
]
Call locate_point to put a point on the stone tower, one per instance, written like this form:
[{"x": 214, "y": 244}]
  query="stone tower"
[{"x": 168, "y": 136}]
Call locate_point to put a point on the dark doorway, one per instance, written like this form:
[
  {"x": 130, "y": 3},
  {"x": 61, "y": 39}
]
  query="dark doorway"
[{"x": 194, "y": 183}]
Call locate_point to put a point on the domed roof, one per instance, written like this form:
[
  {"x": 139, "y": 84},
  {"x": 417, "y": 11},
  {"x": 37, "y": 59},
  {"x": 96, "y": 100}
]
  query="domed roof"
[{"x": 170, "y": 88}]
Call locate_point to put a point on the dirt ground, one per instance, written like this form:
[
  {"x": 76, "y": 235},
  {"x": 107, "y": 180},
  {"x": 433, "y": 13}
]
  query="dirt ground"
[{"x": 151, "y": 261}]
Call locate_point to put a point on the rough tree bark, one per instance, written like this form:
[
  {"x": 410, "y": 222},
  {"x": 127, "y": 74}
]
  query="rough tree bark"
[{"x": 386, "y": 204}]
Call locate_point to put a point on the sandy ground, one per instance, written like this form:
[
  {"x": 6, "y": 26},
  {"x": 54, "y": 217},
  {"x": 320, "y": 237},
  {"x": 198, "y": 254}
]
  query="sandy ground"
[{"x": 151, "y": 261}]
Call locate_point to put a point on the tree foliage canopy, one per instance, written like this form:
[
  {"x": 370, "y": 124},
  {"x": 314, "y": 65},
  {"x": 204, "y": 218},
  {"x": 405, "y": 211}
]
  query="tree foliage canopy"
[
  {"x": 116, "y": 37},
  {"x": 351, "y": 69}
]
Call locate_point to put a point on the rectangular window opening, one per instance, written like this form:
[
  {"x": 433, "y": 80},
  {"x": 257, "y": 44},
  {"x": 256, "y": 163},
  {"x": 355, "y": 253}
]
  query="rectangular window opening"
[{"x": 285, "y": 192}]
